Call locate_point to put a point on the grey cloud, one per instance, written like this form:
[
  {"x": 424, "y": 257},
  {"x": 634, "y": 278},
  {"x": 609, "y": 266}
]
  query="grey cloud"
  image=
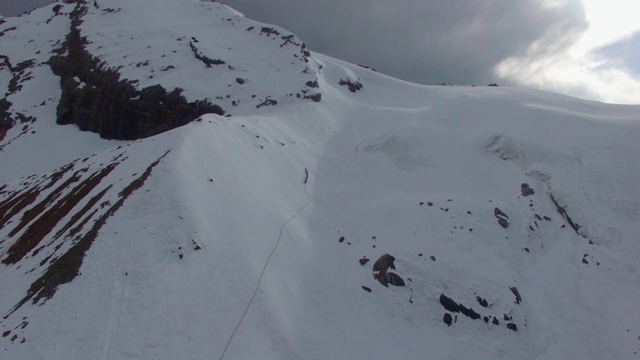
[
  {"x": 427, "y": 41},
  {"x": 625, "y": 53},
  {"x": 17, "y": 7}
]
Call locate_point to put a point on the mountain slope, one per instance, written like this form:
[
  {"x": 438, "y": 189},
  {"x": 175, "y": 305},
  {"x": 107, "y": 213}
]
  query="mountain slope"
[{"x": 240, "y": 236}]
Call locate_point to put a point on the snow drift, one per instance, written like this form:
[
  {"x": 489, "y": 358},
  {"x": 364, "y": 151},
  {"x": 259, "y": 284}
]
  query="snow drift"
[{"x": 511, "y": 215}]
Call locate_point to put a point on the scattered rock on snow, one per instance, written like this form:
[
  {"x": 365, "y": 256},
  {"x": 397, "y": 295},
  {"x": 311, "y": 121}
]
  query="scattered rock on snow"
[
  {"x": 353, "y": 86},
  {"x": 482, "y": 302},
  {"x": 447, "y": 319},
  {"x": 526, "y": 190},
  {"x": 502, "y": 217},
  {"x": 499, "y": 213},
  {"x": 267, "y": 102},
  {"x": 394, "y": 279},
  {"x": 389, "y": 278},
  {"x": 384, "y": 263},
  {"x": 515, "y": 292},
  {"x": 453, "y": 306},
  {"x": 366, "y": 288},
  {"x": 380, "y": 268}
]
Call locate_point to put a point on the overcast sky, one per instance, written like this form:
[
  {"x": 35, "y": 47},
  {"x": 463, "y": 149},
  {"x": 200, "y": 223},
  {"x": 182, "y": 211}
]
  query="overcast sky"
[{"x": 585, "y": 48}]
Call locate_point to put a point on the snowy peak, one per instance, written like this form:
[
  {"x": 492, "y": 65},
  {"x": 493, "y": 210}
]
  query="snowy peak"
[
  {"x": 204, "y": 48},
  {"x": 374, "y": 219},
  {"x": 127, "y": 72}
]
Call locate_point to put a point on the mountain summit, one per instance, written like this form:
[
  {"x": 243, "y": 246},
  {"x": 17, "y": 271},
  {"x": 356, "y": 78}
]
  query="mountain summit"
[{"x": 179, "y": 181}]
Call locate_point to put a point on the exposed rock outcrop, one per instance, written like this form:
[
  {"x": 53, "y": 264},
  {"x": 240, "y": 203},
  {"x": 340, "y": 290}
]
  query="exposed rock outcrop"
[
  {"x": 526, "y": 190},
  {"x": 502, "y": 217},
  {"x": 384, "y": 262},
  {"x": 389, "y": 278},
  {"x": 516, "y": 293},
  {"x": 453, "y": 306},
  {"x": 103, "y": 103},
  {"x": 352, "y": 85},
  {"x": 381, "y": 273},
  {"x": 447, "y": 319}
]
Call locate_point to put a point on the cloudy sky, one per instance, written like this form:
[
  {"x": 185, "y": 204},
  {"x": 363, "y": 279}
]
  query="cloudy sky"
[{"x": 584, "y": 48}]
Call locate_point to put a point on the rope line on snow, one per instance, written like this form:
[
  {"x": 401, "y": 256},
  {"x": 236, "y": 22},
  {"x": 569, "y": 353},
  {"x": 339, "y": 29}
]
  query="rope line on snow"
[{"x": 264, "y": 268}]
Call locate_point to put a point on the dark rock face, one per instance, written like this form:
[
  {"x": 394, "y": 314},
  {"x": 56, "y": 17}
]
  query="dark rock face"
[
  {"x": 3, "y": 130},
  {"x": 112, "y": 107},
  {"x": 525, "y": 190},
  {"x": 512, "y": 326},
  {"x": 447, "y": 319}
]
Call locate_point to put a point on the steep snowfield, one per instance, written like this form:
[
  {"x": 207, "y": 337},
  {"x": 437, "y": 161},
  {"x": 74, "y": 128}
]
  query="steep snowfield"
[{"x": 241, "y": 236}]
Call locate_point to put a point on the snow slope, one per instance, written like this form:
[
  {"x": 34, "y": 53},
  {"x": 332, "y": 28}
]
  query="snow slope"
[{"x": 240, "y": 237}]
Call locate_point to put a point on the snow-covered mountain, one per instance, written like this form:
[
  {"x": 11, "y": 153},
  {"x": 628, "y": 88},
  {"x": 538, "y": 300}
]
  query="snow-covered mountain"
[{"x": 232, "y": 193}]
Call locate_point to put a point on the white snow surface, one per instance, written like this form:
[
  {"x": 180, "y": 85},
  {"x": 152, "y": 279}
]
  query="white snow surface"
[{"x": 228, "y": 221}]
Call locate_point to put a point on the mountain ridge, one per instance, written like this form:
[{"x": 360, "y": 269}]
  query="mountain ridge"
[{"x": 513, "y": 211}]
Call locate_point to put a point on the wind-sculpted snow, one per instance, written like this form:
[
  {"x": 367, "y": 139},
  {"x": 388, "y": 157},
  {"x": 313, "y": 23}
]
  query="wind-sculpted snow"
[{"x": 507, "y": 219}]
